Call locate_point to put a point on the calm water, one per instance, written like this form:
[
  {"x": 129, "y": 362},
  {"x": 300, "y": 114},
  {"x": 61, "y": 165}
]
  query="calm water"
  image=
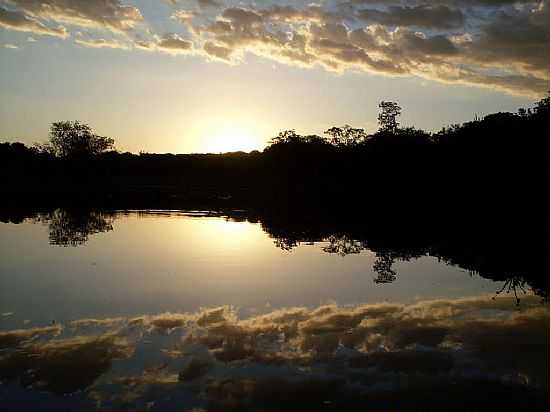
[
  {"x": 159, "y": 310},
  {"x": 155, "y": 263}
]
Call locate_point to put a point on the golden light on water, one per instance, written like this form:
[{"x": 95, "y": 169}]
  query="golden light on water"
[{"x": 231, "y": 233}]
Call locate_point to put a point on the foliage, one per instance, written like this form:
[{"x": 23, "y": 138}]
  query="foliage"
[
  {"x": 337, "y": 136},
  {"x": 291, "y": 137},
  {"x": 72, "y": 138},
  {"x": 346, "y": 136},
  {"x": 387, "y": 119},
  {"x": 543, "y": 106}
]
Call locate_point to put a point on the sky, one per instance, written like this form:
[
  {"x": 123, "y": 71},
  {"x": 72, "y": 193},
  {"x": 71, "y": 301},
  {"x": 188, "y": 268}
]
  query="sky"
[{"x": 186, "y": 76}]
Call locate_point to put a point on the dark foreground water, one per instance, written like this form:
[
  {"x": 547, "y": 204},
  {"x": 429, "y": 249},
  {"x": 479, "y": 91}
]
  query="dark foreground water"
[{"x": 182, "y": 311}]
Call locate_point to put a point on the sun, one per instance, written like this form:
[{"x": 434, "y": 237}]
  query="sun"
[{"x": 230, "y": 138}]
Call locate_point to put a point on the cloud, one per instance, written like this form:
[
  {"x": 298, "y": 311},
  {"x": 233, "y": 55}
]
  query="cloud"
[
  {"x": 437, "y": 17},
  {"x": 96, "y": 322},
  {"x": 310, "y": 13},
  {"x": 184, "y": 16},
  {"x": 15, "y": 337},
  {"x": 173, "y": 44},
  {"x": 169, "y": 43},
  {"x": 217, "y": 52},
  {"x": 503, "y": 50},
  {"x": 18, "y": 21},
  {"x": 50, "y": 365},
  {"x": 370, "y": 348},
  {"x": 370, "y": 328},
  {"x": 10, "y": 46},
  {"x": 496, "y": 44},
  {"x": 104, "y": 14},
  {"x": 520, "y": 39},
  {"x": 204, "y": 4},
  {"x": 100, "y": 43}
]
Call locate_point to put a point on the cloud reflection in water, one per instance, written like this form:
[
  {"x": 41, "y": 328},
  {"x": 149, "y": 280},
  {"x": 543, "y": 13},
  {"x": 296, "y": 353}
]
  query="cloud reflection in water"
[{"x": 328, "y": 357}]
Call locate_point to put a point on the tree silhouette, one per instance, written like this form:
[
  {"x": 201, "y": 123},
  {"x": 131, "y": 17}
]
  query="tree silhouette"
[
  {"x": 388, "y": 115},
  {"x": 543, "y": 106},
  {"x": 72, "y": 138},
  {"x": 346, "y": 136},
  {"x": 287, "y": 136}
]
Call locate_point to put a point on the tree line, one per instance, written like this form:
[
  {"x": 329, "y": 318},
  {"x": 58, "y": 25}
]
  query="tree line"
[{"x": 500, "y": 157}]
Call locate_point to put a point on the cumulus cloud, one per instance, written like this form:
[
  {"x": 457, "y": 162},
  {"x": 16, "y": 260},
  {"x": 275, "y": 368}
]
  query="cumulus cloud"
[
  {"x": 203, "y": 4},
  {"x": 99, "y": 43},
  {"x": 518, "y": 39},
  {"x": 18, "y": 21},
  {"x": 496, "y": 44},
  {"x": 501, "y": 46},
  {"x": 438, "y": 16},
  {"x": 110, "y": 14},
  {"x": 169, "y": 43},
  {"x": 217, "y": 52},
  {"x": 184, "y": 16}
]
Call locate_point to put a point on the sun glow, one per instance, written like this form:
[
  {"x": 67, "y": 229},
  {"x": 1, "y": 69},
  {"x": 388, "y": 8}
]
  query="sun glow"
[{"x": 230, "y": 138}]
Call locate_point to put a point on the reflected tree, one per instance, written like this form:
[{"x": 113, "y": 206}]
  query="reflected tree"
[
  {"x": 286, "y": 243},
  {"x": 72, "y": 228},
  {"x": 343, "y": 245},
  {"x": 512, "y": 285},
  {"x": 383, "y": 267}
]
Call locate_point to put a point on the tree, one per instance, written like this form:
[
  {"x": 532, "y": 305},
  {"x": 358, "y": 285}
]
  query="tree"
[
  {"x": 68, "y": 139},
  {"x": 387, "y": 117},
  {"x": 291, "y": 137},
  {"x": 346, "y": 136},
  {"x": 73, "y": 227},
  {"x": 287, "y": 136},
  {"x": 543, "y": 106}
]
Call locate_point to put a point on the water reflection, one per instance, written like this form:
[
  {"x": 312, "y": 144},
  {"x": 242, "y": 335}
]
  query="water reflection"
[
  {"x": 472, "y": 247},
  {"x": 67, "y": 330},
  {"x": 371, "y": 356},
  {"x": 73, "y": 227}
]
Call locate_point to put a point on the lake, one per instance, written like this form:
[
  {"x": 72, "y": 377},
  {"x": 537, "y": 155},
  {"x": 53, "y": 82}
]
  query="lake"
[{"x": 234, "y": 310}]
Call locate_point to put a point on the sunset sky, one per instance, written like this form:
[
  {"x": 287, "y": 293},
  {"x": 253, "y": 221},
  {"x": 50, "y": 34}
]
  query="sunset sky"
[{"x": 213, "y": 75}]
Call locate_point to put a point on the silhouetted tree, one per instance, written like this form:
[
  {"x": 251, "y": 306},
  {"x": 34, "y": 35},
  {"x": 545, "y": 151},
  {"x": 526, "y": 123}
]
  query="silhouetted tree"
[
  {"x": 291, "y": 137},
  {"x": 346, "y": 136},
  {"x": 522, "y": 112},
  {"x": 387, "y": 119},
  {"x": 72, "y": 138},
  {"x": 543, "y": 106},
  {"x": 287, "y": 136}
]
